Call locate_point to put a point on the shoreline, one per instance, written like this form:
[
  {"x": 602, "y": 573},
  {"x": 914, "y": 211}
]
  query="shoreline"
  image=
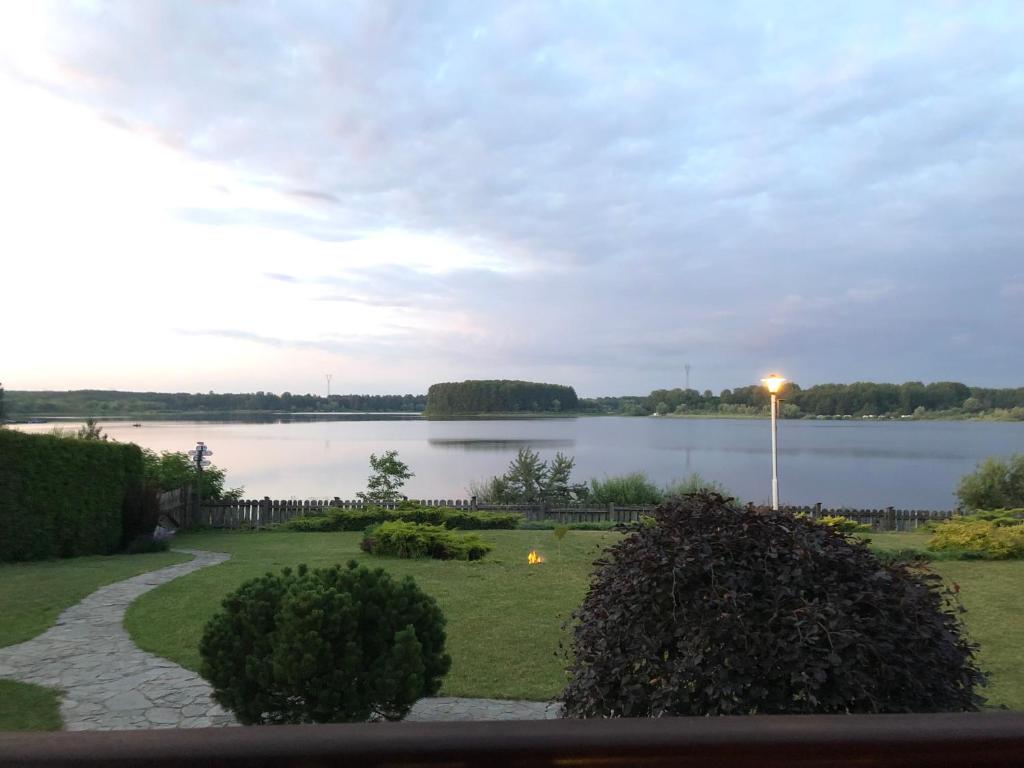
[{"x": 275, "y": 416}]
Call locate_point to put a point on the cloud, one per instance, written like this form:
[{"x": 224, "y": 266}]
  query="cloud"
[{"x": 613, "y": 189}]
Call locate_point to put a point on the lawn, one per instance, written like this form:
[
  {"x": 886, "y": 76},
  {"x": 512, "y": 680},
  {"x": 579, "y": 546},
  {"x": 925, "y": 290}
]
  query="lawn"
[
  {"x": 25, "y": 707},
  {"x": 505, "y": 617},
  {"x": 991, "y": 593},
  {"x": 32, "y": 595}
]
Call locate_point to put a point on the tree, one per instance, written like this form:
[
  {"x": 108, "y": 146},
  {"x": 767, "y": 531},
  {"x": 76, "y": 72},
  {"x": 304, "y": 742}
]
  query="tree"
[
  {"x": 995, "y": 484},
  {"x": 90, "y": 430},
  {"x": 170, "y": 470},
  {"x": 389, "y": 475},
  {"x": 531, "y": 480},
  {"x": 1, "y": 405},
  {"x": 709, "y": 609},
  {"x": 526, "y": 476},
  {"x": 973, "y": 405}
]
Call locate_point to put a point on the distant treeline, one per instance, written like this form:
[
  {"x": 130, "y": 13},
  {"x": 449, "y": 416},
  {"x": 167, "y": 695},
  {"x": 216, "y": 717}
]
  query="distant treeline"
[
  {"x": 98, "y": 402},
  {"x": 501, "y": 396},
  {"x": 859, "y": 399},
  {"x": 940, "y": 399}
]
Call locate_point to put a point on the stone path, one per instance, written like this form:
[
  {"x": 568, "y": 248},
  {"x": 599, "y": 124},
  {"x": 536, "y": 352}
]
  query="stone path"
[
  {"x": 483, "y": 709},
  {"x": 110, "y": 684}
]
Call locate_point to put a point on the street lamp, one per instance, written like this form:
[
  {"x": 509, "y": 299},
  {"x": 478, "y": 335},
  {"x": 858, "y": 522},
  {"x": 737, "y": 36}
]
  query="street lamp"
[{"x": 774, "y": 383}]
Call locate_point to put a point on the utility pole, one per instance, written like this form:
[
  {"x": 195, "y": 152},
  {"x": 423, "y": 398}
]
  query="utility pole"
[
  {"x": 328, "y": 386},
  {"x": 687, "y": 367}
]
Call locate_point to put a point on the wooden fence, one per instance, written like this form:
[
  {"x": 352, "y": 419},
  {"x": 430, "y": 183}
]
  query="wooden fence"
[
  {"x": 888, "y": 519},
  {"x": 180, "y": 507}
]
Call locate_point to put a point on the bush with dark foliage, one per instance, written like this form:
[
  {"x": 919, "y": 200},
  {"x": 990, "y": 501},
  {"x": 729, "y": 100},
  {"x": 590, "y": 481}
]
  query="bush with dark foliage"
[
  {"x": 325, "y": 645},
  {"x": 713, "y": 610}
]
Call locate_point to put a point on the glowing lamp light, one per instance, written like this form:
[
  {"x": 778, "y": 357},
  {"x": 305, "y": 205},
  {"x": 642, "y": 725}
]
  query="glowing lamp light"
[{"x": 773, "y": 382}]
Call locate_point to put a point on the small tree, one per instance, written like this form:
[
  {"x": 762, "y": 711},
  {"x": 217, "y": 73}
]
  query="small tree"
[
  {"x": 559, "y": 532},
  {"x": 995, "y": 484},
  {"x": 91, "y": 430},
  {"x": 389, "y": 475},
  {"x": 170, "y": 470},
  {"x": 322, "y": 646}
]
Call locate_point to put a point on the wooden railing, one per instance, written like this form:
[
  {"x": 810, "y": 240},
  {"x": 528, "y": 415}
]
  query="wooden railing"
[
  {"x": 880, "y": 741},
  {"x": 255, "y": 513}
]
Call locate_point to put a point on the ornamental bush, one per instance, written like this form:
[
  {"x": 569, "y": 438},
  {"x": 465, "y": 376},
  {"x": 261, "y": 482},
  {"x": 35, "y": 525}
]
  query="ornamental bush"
[
  {"x": 325, "y": 645},
  {"x": 844, "y": 524},
  {"x": 412, "y": 540},
  {"x": 998, "y": 537},
  {"x": 715, "y": 610},
  {"x": 334, "y": 519}
]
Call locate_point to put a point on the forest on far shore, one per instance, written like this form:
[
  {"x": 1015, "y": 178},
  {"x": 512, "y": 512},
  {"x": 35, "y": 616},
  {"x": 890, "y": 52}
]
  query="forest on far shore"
[{"x": 944, "y": 399}]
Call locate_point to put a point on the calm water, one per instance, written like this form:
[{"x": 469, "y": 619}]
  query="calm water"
[{"x": 851, "y": 463}]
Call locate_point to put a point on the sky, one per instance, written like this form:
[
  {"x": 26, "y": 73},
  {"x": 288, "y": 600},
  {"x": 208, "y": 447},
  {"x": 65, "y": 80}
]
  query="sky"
[{"x": 242, "y": 196}]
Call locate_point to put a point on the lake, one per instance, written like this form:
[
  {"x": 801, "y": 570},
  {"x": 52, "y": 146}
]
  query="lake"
[{"x": 908, "y": 464}]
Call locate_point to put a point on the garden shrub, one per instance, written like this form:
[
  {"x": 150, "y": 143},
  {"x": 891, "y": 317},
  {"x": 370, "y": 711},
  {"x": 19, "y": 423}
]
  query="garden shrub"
[
  {"x": 1001, "y": 517},
  {"x": 325, "y": 645},
  {"x": 550, "y": 525},
  {"x": 63, "y": 497},
  {"x": 906, "y": 555},
  {"x": 412, "y": 540},
  {"x": 844, "y": 524},
  {"x": 632, "y": 490},
  {"x": 973, "y": 537},
  {"x": 715, "y": 610},
  {"x": 334, "y": 519}
]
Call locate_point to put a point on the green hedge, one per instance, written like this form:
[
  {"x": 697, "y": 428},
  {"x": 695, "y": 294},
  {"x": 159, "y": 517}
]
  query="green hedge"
[
  {"x": 62, "y": 497},
  {"x": 334, "y": 519},
  {"x": 412, "y": 540}
]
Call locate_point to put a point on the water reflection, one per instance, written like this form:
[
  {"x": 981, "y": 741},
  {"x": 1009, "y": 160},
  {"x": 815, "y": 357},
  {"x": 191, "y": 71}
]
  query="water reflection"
[
  {"x": 906, "y": 465},
  {"x": 499, "y": 444}
]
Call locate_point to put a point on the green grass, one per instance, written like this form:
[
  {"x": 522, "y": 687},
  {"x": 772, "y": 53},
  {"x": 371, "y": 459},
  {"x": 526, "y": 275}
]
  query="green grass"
[
  {"x": 991, "y": 593},
  {"x": 32, "y": 595},
  {"x": 25, "y": 707},
  {"x": 504, "y": 616}
]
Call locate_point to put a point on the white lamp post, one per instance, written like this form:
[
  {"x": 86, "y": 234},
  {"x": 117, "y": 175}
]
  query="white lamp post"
[{"x": 774, "y": 383}]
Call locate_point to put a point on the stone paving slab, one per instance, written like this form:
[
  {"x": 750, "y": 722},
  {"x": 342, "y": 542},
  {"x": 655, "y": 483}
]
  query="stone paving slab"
[
  {"x": 107, "y": 681},
  {"x": 110, "y": 684}
]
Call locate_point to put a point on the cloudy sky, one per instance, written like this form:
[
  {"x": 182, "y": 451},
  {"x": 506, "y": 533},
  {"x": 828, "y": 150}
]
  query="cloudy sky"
[{"x": 242, "y": 196}]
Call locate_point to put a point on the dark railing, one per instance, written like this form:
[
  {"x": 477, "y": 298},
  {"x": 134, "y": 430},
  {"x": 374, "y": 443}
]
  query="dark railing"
[{"x": 880, "y": 741}]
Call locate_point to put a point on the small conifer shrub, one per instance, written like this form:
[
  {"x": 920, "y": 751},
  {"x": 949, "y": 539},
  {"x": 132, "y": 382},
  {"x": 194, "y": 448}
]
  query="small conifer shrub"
[
  {"x": 715, "y": 610},
  {"x": 324, "y": 645}
]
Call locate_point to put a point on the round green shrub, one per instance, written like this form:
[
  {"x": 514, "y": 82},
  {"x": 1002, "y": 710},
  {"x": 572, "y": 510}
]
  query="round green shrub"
[
  {"x": 412, "y": 540},
  {"x": 714, "y": 610},
  {"x": 325, "y": 645}
]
